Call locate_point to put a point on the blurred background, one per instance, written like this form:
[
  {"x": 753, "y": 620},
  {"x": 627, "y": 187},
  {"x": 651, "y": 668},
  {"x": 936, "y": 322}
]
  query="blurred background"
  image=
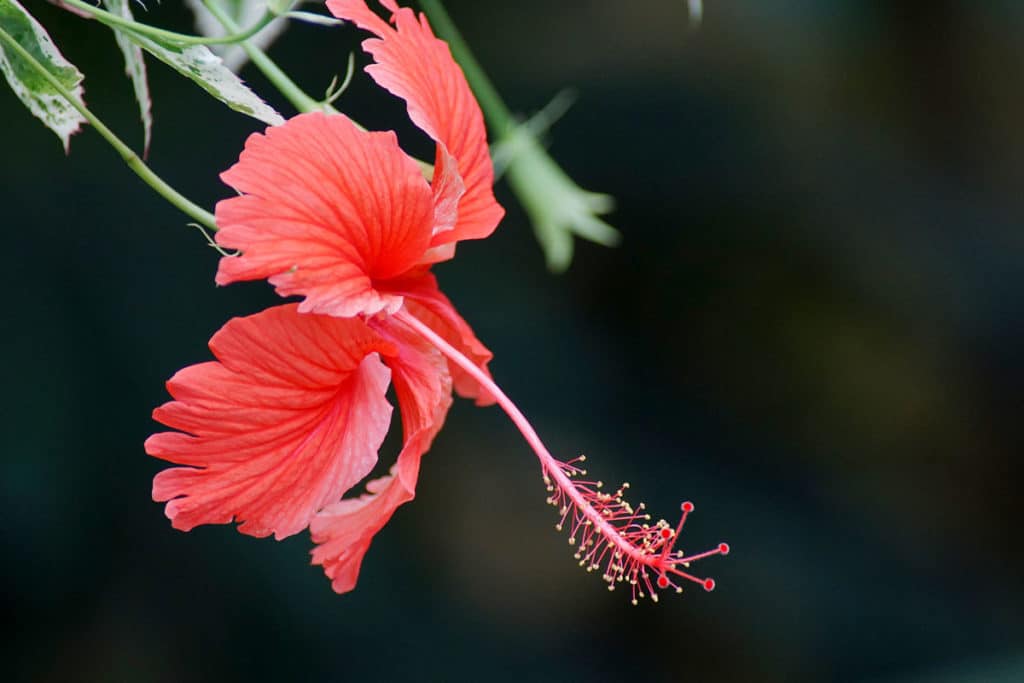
[{"x": 812, "y": 330}]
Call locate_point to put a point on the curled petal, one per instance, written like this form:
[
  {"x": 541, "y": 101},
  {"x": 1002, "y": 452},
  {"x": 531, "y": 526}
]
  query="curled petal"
[
  {"x": 418, "y": 67},
  {"x": 423, "y": 385},
  {"x": 343, "y": 531},
  {"x": 448, "y": 191},
  {"x": 288, "y": 418},
  {"x": 325, "y": 211},
  {"x": 424, "y": 299}
]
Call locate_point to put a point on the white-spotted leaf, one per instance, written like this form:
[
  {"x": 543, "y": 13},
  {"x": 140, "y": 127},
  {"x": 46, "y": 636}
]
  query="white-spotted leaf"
[
  {"x": 208, "y": 71},
  {"x": 41, "y": 97},
  {"x": 135, "y": 68}
]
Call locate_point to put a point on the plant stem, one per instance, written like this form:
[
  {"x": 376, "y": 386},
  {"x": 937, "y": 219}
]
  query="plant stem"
[
  {"x": 292, "y": 92},
  {"x": 634, "y": 547},
  {"x": 130, "y": 157},
  {"x": 170, "y": 36},
  {"x": 550, "y": 465},
  {"x": 498, "y": 115}
]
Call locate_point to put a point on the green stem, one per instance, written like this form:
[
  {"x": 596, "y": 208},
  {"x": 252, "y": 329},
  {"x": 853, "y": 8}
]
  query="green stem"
[
  {"x": 110, "y": 18},
  {"x": 130, "y": 157},
  {"x": 294, "y": 94},
  {"x": 498, "y": 115}
]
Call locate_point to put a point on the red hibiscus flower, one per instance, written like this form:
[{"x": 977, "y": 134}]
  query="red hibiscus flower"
[{"x": 291, "y": 414}]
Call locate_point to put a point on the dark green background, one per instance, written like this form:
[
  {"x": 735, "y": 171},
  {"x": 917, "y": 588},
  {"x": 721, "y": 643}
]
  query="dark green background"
[{"x": 812, "y": 330}]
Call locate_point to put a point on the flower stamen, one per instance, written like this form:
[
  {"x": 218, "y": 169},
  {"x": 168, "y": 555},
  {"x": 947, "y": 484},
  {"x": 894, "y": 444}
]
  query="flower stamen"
[{"x": 607, "y": 531}]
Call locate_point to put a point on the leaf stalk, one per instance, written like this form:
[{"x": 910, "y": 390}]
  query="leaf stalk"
[{"x": 133, "y": 160}]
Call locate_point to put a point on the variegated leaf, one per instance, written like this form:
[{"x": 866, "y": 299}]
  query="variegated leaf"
[
  {"x": 135, "y": 67},
  {"x": 208, "y": 71},
  {"x": 41, "y": 97}
]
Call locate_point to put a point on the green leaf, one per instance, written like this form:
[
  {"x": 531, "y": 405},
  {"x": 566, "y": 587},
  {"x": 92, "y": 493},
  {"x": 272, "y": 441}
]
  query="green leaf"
[
  {"x": 44, "y": 100},
  {"x": 243, "y": 13},
  {"x": 557, "y": 207},
  {"x": 208, "y": 71},
  {"x": 135, "y": 68}
]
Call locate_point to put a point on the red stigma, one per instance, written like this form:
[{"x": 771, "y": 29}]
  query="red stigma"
[{"x": 616, "y": 539}]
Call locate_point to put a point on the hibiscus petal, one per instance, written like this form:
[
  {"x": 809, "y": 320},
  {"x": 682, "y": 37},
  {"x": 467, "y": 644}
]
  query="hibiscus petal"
[
  {"x": 424, "y": 299},
  {"x": 448, "y": 191},
  {"x": 288, "y": 418},
  {"x": 418, "y": 67},
  {"x": 422, "y": 383},
  {"x": 344, "y": 530},
  {"x": 326, "y": 210}
]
